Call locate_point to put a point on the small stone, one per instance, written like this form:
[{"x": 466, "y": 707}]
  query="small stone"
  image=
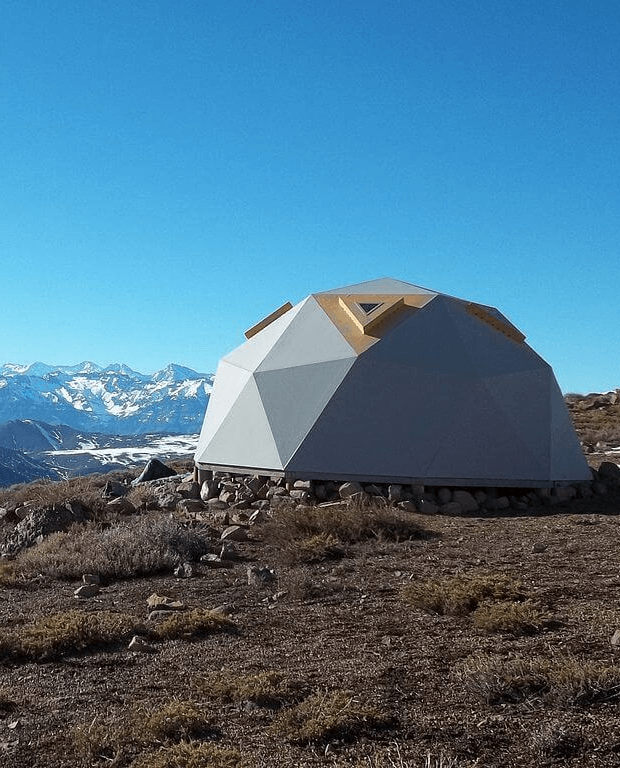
[
  {"x": 234, "y": 533},
  {"x": 91, "y": 578},
  {"x": 216, "y": 504},
  {"x": 502, "y": 502},
  {"x": 615, "y": 638},
  {"x": 259, "y": 515},
  {"x": 87, "y": 590},
  {"x": 184, "y": 571},
  {"x": 302, "y": 485},
  {"x": 162, "y": 603},
  {"x": 189, "y": 490},
  {"x": 538, "y": 547},
  {"x": 407, "y": 506},
  {"x": 121, "y": 505},
  {"x": 565, "y": 493},
  {"x": 260, "y": 575},
  {"x": 139, "y": 645},
  {"x": 609, "y": 473},
  {"x": 213, "y": 561},
  {"x": 299, "y": 495}
]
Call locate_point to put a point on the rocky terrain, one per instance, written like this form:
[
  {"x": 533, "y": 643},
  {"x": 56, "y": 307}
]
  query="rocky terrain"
[{"x": 151, "y": 621}]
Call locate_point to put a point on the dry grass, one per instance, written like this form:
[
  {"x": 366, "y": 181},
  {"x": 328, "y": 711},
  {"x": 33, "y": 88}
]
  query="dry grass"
[
  {"x": 324, "y": 716},
  {"x": 525, "y": 618},
  {"x": 117, "y": 737},
  {"x": 564, "y": 680},
  {"x": 265, "y": 689},
  {"x": 194, "y": 755},
  {"x": 313, "y": 534},
  {"x": 68, "y": 632},
  {"x": 462, "y": 594},
  {"x": 187, "y": 625},
  {"x": 86, "y": 490},
  {"x": 134, "y": 547}
]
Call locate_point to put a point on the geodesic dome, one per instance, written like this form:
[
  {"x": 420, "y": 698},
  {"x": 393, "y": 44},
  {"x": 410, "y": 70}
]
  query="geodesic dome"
[{"x": 389, "y": 382}]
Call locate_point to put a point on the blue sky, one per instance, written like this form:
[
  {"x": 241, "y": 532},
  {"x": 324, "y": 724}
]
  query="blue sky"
[{"x": 174, "y": 171}]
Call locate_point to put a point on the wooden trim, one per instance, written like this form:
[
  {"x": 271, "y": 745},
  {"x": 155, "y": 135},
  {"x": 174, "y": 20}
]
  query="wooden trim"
[{"x": 268, "y": 320}]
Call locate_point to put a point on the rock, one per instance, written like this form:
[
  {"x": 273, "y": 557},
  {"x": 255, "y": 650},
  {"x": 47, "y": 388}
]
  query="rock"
[
  {"x": 480, "y": 497},
  {"x": 162, "y": 603},
  {"x": 228, "y": 497},
  {"x": 417, "y": 491},
  {"x": 407, "y": 506},
  {"x": 254, "y": 484},
  {"x": 599, "y": 488},
  {"x": 466, "y": 500},
  {"x": 234, "y": 533},
  {"x": 184, "y": 571},
  {"x": 299, "y": 495},
  {"x": 87, "y": 590},
  {"x": 275, "y": 491},
  {"x": 609, "y": 473},
  {"x": 216, "y": 504},
  {"x": 139, "y": 645},
  {"x": 113, "y": 490},
  {"x": 210, "y": 489},
  {"x": 189, "y": 490},
  {"x": 260, "y": 575},
  {"x": 40, "y": 522},
  {"x": 320, "y": 491},
  {"x": 154, "y": 470},
  {"x": 564, "y": 493},
  {"x": 444, "y": 496},
  {"x": 213, "y": 561},
  {"x": 395, "y": 493},
  {"x": 538, "y": 547},
  {"x": 228, "y": 551},
  {"x": 302, "y": 485},
  {"x": 427, "y": 507},
  {"x": 262, "y": 505},
  {"x": 190, "y": 506},
  {"x": 91, "y": 578},
  {"x": 584, "y": 490},
  {"x": 121, "y": 505},
  {"x": 502, "y": 502},
  {"x": 21, "y": 513},
  {"x": 615, "y": 638},
  {"x": 346, "y": 490},
  {"x": 451, "y": 508}
]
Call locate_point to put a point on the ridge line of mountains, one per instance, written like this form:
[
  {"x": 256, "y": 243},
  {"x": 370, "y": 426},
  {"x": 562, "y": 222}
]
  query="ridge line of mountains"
[{"x": 74, "y": 409}]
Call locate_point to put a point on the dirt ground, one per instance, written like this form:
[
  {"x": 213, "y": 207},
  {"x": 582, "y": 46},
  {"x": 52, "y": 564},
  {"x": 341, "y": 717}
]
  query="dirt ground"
[{"x": 343, "y": 625}]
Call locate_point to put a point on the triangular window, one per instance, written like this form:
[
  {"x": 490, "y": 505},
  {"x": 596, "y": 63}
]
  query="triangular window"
[{"x": 367, "y": 307}]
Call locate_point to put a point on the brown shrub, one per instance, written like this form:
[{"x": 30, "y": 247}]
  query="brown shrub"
[
  {"x": 70, "y": 631},
  {"x": 194, "y": 755},
  {"x": 461, "y": 594},
  {"x": 324, "y": 716},
  {"x": 514, "y": 618},
  {"x": 190, "y": 624},
  {"x": 564, "y": 680},
  {"x": 267, "y": 689}
]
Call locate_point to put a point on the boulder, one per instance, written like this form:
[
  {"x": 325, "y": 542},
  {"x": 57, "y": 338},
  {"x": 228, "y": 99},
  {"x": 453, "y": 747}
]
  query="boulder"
[
  {"x": 609, "y": 473},
  {"x": 40, "y": 522},
  {"x": 466, "y": 500},
  {"x": 154, "y": 470}
]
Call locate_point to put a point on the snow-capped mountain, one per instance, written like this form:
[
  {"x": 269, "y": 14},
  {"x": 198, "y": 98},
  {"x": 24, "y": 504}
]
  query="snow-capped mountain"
[{"x": 111, "y": 400}]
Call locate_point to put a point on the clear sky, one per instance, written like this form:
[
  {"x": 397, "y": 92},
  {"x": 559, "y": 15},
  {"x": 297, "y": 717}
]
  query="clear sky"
[{"x": 171, "y": 172}]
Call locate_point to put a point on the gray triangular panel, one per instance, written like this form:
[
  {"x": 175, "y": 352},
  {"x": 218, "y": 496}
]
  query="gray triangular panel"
[
  {"x": 568, "y": 463},
  {"x": 483, "y": 445},
  {"x": 310, "y": 337},
  {"x": 427, "y": 339},
  {"x": 244, "y": 438},
  {"x": 294, "y": 398},
  {"x": 380, "y": 421}
]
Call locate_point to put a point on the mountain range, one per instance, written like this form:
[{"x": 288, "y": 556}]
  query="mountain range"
[
  {"x": 60, "y": 420},
  {"x": 113, "y": 400}
]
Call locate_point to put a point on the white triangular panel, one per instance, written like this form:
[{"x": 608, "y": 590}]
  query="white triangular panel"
[
  {"x": 250, "y": 354},
  {"x": 294, "y": 398},
  {"x": 230, "y": 382},
  {"x": 244, "y": 438},
  {"x": 311, "y": 337}
]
